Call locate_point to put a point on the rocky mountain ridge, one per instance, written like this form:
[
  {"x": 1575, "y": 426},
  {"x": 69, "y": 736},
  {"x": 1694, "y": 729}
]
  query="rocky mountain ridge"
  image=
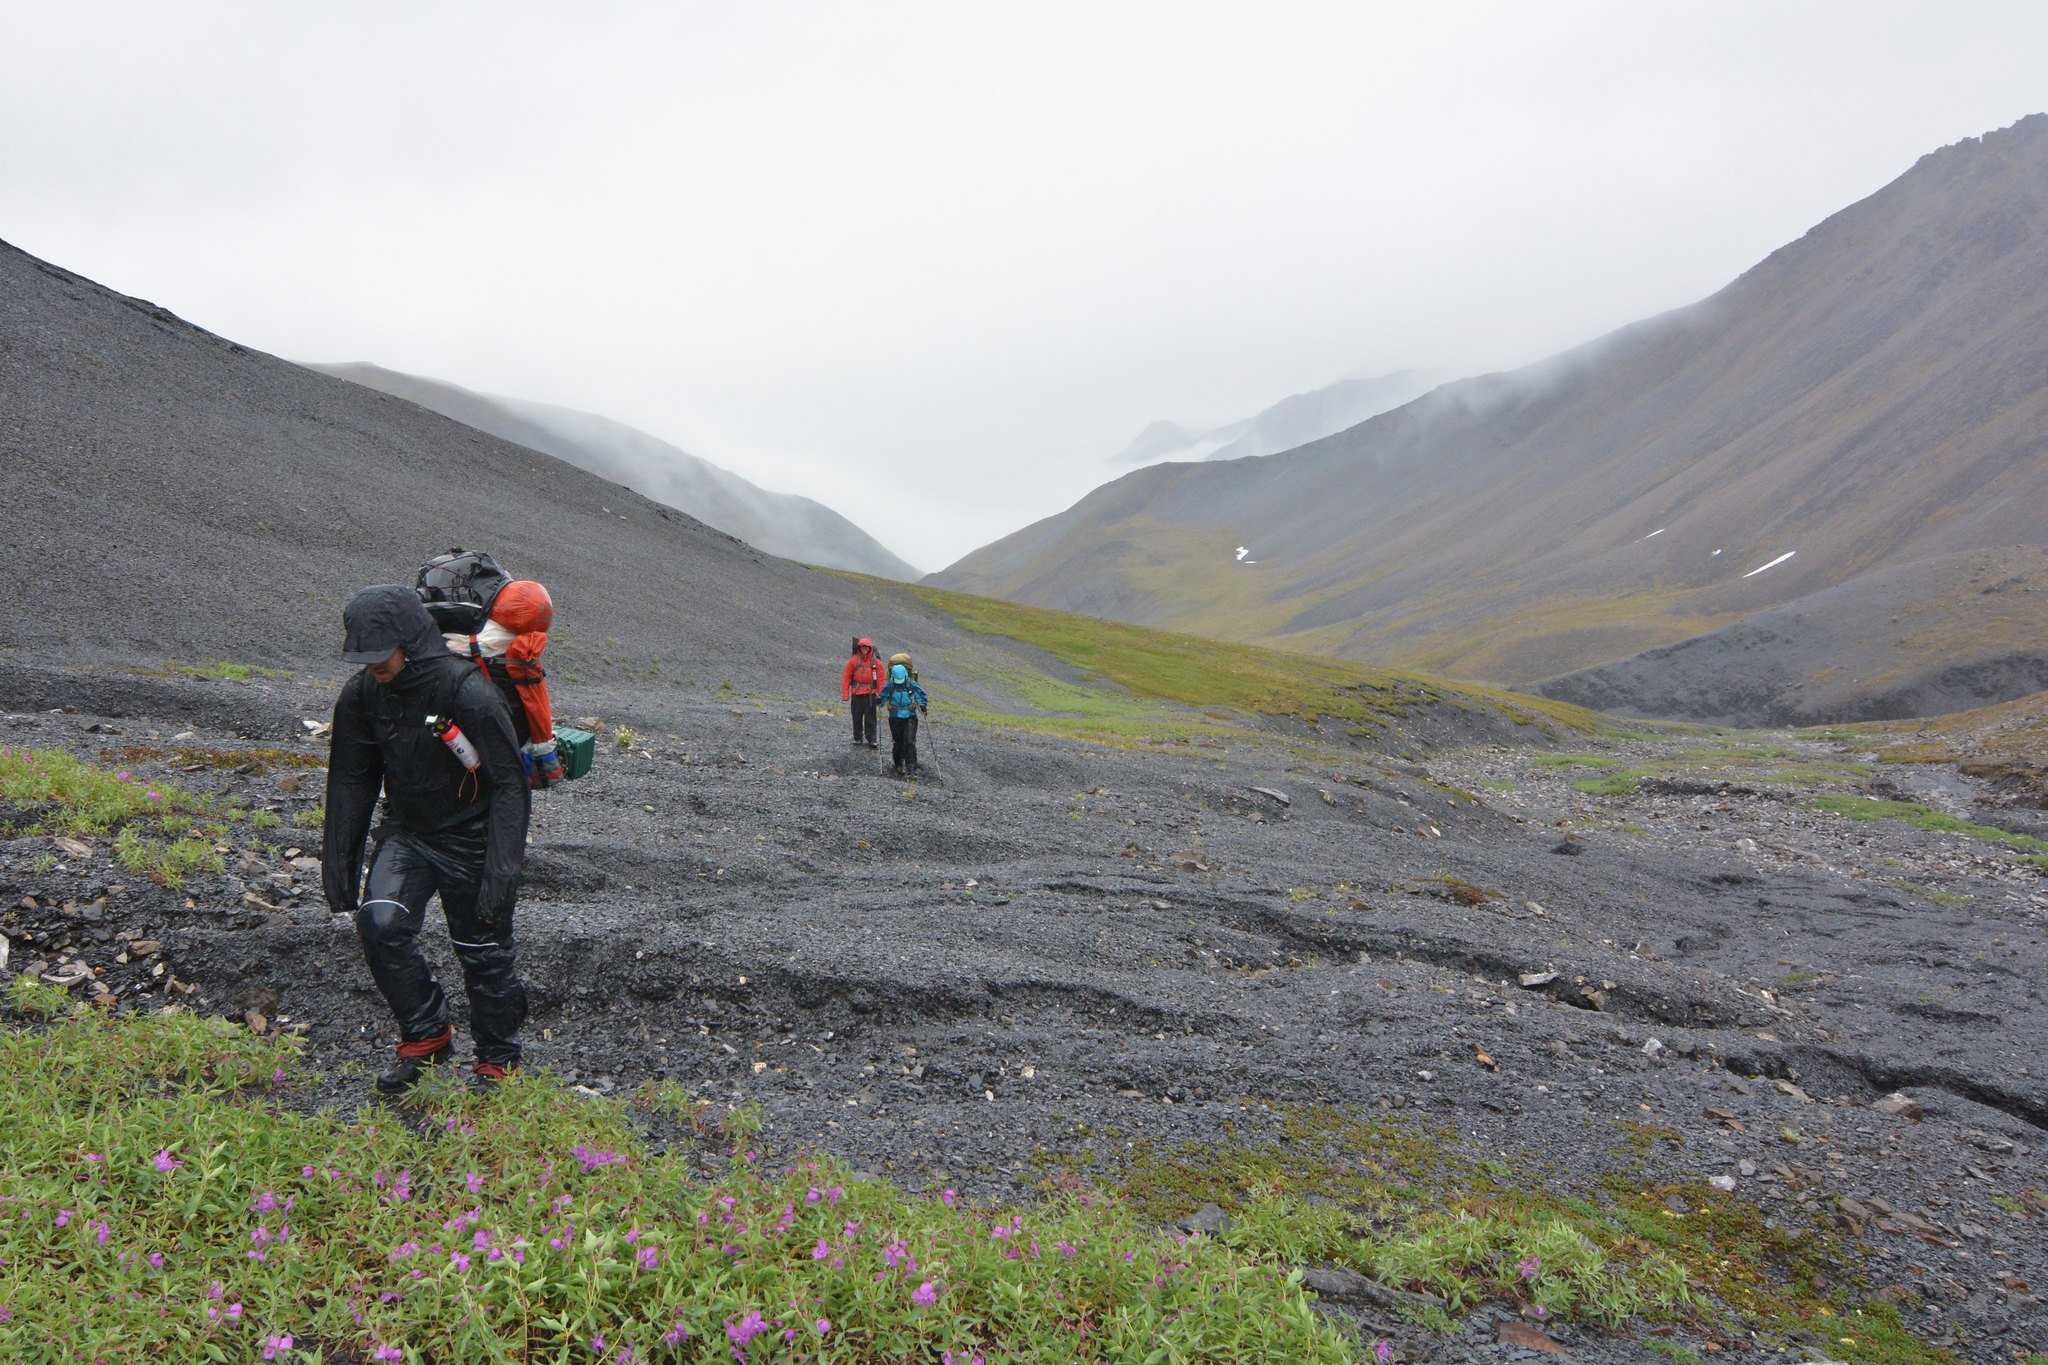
[{"x": 1868, "y": 397}]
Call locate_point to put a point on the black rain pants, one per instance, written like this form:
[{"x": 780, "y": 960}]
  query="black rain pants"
[
  {"x": 903, "y": 742},
  {"x": 405, "y": 871},
  {"x": 863, "y": 718}
]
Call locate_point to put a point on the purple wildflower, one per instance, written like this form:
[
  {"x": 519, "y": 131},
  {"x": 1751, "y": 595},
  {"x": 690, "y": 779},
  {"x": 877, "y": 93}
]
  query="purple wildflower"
[
  {"x": 165, "y": 1162},
  {"x": 925, "y": 1293},
  {"x": 744, "y": 1331},
  {"x": 272, "y": 1345}
]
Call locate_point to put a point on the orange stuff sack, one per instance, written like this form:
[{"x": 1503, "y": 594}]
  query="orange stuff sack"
[{"x": 525, "y": 609}]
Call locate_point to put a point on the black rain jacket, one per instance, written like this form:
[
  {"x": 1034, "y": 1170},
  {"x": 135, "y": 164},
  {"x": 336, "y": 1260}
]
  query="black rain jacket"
[{"x": 381, "y": 740}]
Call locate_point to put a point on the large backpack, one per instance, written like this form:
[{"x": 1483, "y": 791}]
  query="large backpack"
[
  {"x": 908, "y": 667},
  {"x": 502, "y": 624}
]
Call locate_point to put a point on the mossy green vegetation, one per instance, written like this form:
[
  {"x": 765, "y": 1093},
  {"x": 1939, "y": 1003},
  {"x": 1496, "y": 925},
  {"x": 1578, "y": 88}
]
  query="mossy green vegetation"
[
  {"x": 160, "y": 831},
  {"x": 1925, "y": 817},
  {"x": 218, "y": 668},
  {"x": 1418, "y": 1210},
  {"x": 1136, "y": 684},
  {"x": 254, "y": 760},
  {"x": 168, "y": 862},
  {"x": 168, "y": 1199}
]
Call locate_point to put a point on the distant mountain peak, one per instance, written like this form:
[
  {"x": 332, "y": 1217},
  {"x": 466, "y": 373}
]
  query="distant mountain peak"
[
  {"x": 784, "y": 524},
  {"x": 1868, "y": 396}
]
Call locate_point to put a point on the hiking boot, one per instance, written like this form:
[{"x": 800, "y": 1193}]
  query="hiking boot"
[
  {"x": 873, "y": 745},
  {"x": 409, "y": 1071},
  {"x": 487, "y": 1075}
]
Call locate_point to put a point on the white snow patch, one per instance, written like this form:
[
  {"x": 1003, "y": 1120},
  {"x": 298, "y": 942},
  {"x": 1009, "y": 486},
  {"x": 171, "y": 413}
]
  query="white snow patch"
[
  {"x": 1658, "y": 532},
  {"x": 1241, "y": 553},
  {"x": 1773, "y": 564},
  {"x": 1715, "y": 552}
]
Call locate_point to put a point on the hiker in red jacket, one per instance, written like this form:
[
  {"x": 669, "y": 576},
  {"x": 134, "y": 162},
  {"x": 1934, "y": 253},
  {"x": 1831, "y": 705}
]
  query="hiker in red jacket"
[{"x": 860, "y": 682}]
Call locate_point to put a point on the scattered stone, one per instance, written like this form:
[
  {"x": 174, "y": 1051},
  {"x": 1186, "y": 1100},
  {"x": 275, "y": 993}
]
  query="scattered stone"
[
  {"x": 72, "y": 848},
  {"x": 1654, "y": 1048},
  {"x": 1745, "y": 1167},
  {"x": 256, "y": 1022},
  {"x": 1207, "y": 1221},
  {"x": 1274, "y": 794},
  {"x": 144, "y": 947},
  {"x": 1514, "y": 1332},
  {"x": 1336, "y": 1282},
  {"x": 1568, "y": 846},
  {"x": 1723, "y": 1183},
  {"x": 1899, "y": 1105},
  {"x": 1536, "y": 980}
]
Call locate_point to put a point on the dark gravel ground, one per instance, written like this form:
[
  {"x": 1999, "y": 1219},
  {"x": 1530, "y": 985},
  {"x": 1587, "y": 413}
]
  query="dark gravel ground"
[
  {"x": 1043, "y": 944},
  {"x": 1042, "y": 950}
]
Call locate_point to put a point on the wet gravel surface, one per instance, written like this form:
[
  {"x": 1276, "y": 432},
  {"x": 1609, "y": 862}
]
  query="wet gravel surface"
[{"x": 1044, "y": 949}]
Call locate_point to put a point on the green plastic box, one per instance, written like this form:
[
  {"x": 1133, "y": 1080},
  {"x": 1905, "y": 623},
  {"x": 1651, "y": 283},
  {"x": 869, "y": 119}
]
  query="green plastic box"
[{"x": 576, "y": 749}]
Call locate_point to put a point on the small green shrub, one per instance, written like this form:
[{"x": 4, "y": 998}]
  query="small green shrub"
[{"x": 169, "y": 863}]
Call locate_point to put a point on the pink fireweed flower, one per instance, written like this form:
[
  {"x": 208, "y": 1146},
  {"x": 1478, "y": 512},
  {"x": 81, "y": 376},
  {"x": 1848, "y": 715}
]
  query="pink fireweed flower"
[
  {"x": 675, "y": 1335},
  {"x": 272, "y": 1345},
  {"x": 165, "y": 1162},
  {"x": 64, "y": 1216},
  {"x": 387, "y": 1353},
  {"x": 1528, "y": 1265},
  {"x": 458, "y": 1260},
  {"x": 926, "y": 1293},
  {"x": 821, "y": 1250},
  {"x": 156, "y": 1260},
  {"x": 823, "y": 1325},
  {"x": 746, "y": 1329},
  {"x": 95, "y": 1158},
  {"x": 101, "y": 1233},
  {"x": 475, "y": 1183},
  {"x": 648, "y": 1258},
  {"x": 264, "y": 1203},
  {"x": 948, "y": 1198},
  {"x": 1384, "y": 1352}
]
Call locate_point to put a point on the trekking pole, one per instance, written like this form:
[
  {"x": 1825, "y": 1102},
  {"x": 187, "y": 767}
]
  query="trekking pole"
[{"x": 931, "y": 736}]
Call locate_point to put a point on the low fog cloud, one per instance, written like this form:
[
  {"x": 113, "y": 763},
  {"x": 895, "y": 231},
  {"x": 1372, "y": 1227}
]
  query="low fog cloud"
[{"x": 933, "y": 264}]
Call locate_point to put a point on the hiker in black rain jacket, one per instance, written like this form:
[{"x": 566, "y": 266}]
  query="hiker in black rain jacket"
[{"x": 446, "y": 828}]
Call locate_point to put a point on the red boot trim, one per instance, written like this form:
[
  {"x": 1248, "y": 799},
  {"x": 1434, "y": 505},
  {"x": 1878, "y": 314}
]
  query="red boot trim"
[{"x": 427, "y": 1047}]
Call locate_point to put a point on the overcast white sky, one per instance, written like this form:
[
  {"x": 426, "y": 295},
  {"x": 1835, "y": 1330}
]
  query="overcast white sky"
[{"x": 933, "y": 264}]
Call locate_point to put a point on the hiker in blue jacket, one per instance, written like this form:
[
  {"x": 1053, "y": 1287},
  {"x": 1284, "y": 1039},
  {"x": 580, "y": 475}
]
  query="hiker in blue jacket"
[{"x": 903, "y": 699}]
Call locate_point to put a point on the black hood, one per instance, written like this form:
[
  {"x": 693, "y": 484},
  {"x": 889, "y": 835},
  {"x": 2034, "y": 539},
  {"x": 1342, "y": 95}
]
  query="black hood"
[{"x": 387, "y": 617}]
